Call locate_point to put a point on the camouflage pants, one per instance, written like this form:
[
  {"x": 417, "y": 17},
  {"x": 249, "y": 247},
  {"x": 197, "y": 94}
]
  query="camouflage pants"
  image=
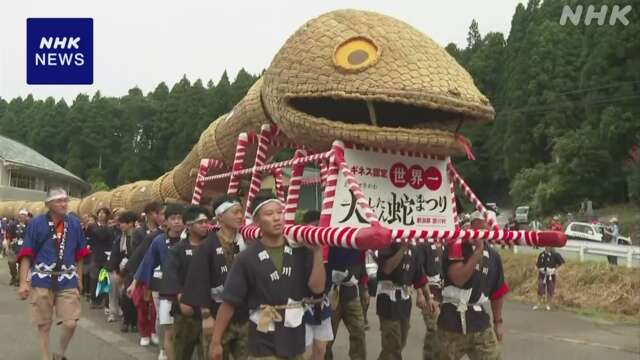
[
  {"x": 351, "y": 314},
  {"x": 235, "y": 341},
  {"x": 186, "y": 337},
  {"x": 431, "y": 347},
  {"x": 478, "y": 346},
  {"x": 394, "y": 334}
]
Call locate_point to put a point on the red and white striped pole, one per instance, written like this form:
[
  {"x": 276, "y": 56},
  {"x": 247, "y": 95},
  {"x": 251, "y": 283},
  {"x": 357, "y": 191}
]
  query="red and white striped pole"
[
  {"x": 378, "y": 237},
  {"x": 238, "y": 163},
  {"x": 279, "y": 182},
  {"x": 198, "y": 189},
  {"x": 471, "y": 196},
  {"x": 261, "y": 157},
  {"x": 354, "y": 186},
  {"x": 323, "y": 172},
  {"x": 268, "y": 167},
  {"x": 452, "y": 188},
  {"x": 293, "y": 197},
  {"x": 328, "y": 197},
  {"x": 525, "y": 238}
]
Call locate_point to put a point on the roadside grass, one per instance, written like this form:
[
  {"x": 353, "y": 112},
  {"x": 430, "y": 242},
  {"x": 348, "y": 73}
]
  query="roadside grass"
[{"x": 591, "y": 289}]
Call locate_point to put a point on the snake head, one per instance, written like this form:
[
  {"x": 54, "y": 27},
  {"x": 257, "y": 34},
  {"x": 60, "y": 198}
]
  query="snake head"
[{"x": 373, "y": 80}]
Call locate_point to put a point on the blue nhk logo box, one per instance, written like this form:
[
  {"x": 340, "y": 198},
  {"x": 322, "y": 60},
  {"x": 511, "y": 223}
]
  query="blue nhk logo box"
[{"x": 59, "y": 51}]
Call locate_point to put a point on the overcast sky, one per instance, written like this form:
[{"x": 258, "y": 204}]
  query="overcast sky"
[{"x": 141, "y": 43}]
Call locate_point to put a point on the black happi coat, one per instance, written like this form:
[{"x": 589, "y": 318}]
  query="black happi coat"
[
  {"x": 138, "y": 254},
  {"x": 254, "y": 280},
  {"x": 179, "y": 262},
  {"x": 408, "y": 273},
  {"x": 177, "y": 266},
  {"x": 117, "y": 255},
  {"x": 16, "y": 233},
  {"x": 208, "y": 272},
  {"x": 487, "y": 282},
  {"x": 351, "y": 260},
  {"x": 102, "y": 237},
  {"x": 431, "y": 258},
  {"x": 168, "y": 283},
  {"x": 550, "y": 260}
]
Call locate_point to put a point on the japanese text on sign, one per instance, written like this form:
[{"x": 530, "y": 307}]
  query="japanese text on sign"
[{"x": 404, "y": 192}]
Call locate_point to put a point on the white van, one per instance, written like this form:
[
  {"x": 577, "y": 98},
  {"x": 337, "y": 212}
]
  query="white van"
[{"x": 522, "y": 214}]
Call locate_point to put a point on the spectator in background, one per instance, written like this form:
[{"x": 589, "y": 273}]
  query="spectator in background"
[
  {"x": 4, "y": 223},
  {"x": 86, "y": 278},
  {"x": 121, "y": 250},
  {"x": 615, "y": 234},
  {"x": 511, "y": 225},
  {"x": 535, "y": 225},
  {"x": 14, "y": 238},
  {"x": 548, "y": 263},
  {"x": 555, "y": 224},
  {"x": 101, "y": 242},
  {"x": 615, "y": 230}
]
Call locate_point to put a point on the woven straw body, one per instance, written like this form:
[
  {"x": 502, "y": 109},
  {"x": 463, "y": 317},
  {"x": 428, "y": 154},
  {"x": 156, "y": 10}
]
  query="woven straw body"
[
  {"x": 410, "y": 68},
  {"x": 352, "y": 75}
]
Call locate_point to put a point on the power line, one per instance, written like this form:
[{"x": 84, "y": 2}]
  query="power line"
[
  {"x": 582, "y": 90},
  {"x": 557, "y": 106}
]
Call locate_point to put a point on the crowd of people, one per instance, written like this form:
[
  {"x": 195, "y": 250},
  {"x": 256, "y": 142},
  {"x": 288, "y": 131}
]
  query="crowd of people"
[{"x": 184, "y": 279}]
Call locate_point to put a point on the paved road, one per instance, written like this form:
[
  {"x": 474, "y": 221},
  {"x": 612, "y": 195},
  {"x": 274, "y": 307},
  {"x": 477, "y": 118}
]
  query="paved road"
[{"x": 530, "y": 335}]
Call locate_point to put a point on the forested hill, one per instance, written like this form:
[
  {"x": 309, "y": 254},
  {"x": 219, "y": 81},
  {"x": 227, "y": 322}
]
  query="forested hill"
[
  {"x": 112, "y": 141},
  {"x": 567, "y": 126},
  {"x": 568, "y": 108}
]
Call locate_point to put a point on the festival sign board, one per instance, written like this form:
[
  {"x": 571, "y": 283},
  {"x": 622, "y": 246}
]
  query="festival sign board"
[{"x": 405, "y": 191}]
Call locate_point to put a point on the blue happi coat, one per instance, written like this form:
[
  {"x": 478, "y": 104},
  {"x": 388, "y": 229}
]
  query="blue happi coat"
[{"x": 41, "y": 246}]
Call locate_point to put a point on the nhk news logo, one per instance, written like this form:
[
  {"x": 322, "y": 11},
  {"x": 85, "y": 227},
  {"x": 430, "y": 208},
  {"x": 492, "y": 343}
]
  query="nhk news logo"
[{"x": 59, "y": 51}]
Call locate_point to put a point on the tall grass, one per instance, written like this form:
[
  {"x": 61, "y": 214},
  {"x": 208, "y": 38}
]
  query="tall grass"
[{"x": 586, "y": 286}]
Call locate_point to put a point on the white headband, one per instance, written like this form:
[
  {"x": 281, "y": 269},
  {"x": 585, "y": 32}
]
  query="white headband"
[
  {"x": 56, "y": 195},
  {"x": 255, "y": 210},
  {"x": 23, "y": 212},
  {"x": 200, "y": 217},
  {"x": 225, "y": 206}
]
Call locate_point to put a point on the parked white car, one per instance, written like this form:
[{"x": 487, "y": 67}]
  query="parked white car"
[{"x": 591, "y": 232}]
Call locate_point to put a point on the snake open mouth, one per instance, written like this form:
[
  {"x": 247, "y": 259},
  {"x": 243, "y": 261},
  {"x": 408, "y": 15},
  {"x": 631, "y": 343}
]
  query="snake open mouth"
[{"x": 378, "y": 113}]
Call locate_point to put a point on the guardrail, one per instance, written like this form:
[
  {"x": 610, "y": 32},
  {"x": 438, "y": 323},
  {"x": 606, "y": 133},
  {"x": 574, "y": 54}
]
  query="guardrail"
[{"x": 630, "y": 253}]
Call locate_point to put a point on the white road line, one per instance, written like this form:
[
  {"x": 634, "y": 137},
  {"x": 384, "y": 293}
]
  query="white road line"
[{"x": 574, "y": 341}]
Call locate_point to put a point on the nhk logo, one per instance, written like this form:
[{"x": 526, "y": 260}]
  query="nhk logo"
[
  {"x": 59, "y": 51},
  {"x": 617, "y": 14}
]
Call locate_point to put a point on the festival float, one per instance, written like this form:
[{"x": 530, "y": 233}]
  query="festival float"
[{"x": 371, "y": 101}]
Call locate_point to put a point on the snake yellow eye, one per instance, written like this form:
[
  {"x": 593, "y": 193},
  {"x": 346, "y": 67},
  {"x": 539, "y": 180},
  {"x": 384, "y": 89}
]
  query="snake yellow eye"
[{"x": 356, "y": 54}]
